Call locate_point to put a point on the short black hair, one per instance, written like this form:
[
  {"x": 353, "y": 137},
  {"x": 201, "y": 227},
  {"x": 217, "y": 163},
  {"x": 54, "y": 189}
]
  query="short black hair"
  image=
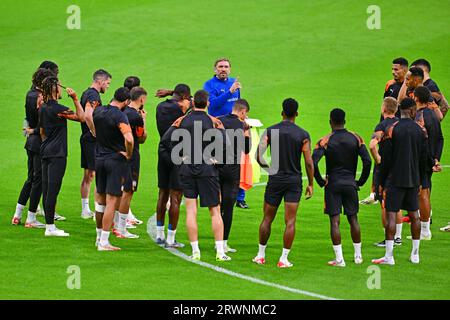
[
  {"x": 290, "y": 107},
  {"x": 407, "y": 103},
  {"x": 201, "y": 99},
  {"x": 423, "y": 94},
  {"x": 401, "y": 61},
  {"x": 39, "y": 76},
  {"x": 241, "y": 104},
  {"x": 50, "y": 65},
  {"x": 100, "y": 73},
  {"x": 131, "y": 82},
  {"x": 122, "y": 94},
  {"x": 422, "y": 62},
  {"x": 182, "y": 90},
  {"x": 337, "y": 116},
  {"x": 416, "y": 72},
  {"x": 137, "y": 92}
]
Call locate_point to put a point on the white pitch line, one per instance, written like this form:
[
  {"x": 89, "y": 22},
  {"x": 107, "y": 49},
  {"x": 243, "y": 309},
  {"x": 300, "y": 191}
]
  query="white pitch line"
[{"x": 151, "y": 230}]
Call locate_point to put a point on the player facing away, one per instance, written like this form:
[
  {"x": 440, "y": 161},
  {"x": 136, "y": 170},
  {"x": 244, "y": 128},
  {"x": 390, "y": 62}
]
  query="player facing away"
[
  {"x": 90, "y": 99},
  {"x": 136, "y": 117},
  {"x": 403, "y": 170},
  {"x": 32, "y": 188},
  {"x": 399, "y": 69},
  {"x": 230, "y": 172},
  {"x": 389, "y": 109},
  {"x": 53, "y": 129},
  {"x": 428, "y": 119},
  {"x": 287, "y": 143},
  {"x": 341, "y": 149},
  {"x": 199, "y": 175},
  {"x": 114, "y": 150},
  {"x": 169, "y": 184}
]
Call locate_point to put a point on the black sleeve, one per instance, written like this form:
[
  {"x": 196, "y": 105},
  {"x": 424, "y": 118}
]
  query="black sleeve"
[
  {"x": 166, "y": 145},
  {"x": 318, "y": 153},
  {"x": 386, "y": 161},
  {"x": 367, "y": 163},
  {"x": 423, "y": 160},
  {"x": 440, "y": 145},
  {"x": 93, "y": 97}
]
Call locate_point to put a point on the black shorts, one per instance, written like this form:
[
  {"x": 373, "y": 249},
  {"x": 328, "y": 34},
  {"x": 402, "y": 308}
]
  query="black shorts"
[
  {"x": 110, "y": 176},
  {"x": 426, "y": 184},
  {"x": 132, "y": 177},
  {"x": 208, "y": 188},
  {"x": 276, "y": 190},
  {"x": 401, "y": 198},
  {"x": 168, "y": 175},
  {"x": 337, "y": 197},
  {"x": 88, "y": 154}
]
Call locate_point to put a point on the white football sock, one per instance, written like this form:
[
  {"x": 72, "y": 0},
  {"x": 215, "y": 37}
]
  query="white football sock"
[
  {"x": 398, "y": 230},
  {"x": 171, "y": 236},
  {"x": 85, "y": 205},
  {"x": 338, "y": 252},
  {"x": 262, "y": 251},
  {"x": 357, "y": 247},
  {"x": 50, "y": 227},
  {"x": 99, "y": 233},
  {"x": 425, "y": 227},
  {"x": 104, "y": 238},
  {"x": 116, "y": 219},
  {"x": 31, "y": 216},
  {"x": 284, "y": 254},
  {"x": 130, "y": 214},
  {"x": 160, "y": 233},
  {"x": 415, "y": 247},
  {"x": 389, "y": 248},
  {"x": 219, "y": 247},
  {"x": 195, "y": 247},
  {"x": 225, "y": 244},
  {"x": 19, "y": 210},
  {"x": 122, "y": 223}
]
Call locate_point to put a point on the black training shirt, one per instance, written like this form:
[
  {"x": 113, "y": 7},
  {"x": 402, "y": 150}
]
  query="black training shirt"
[
  {"x": 166, "y": 113},
  {"x": 137, "y": 128},
  {"x": 341, "y": 149},
  {"x": 110, "y": 122},
  {"x": 92, "y": 96},
  {"x": 405, "y": 155},
  {"x": 289, "y": 139},
  {"x": 33, "y": 142},
  {"x": 234, "y": 128},
  {"x": 53, "y": 120},
  {"x": 427, "y": 118}
]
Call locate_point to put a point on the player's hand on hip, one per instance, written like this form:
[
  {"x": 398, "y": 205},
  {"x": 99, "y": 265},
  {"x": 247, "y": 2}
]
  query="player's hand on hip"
[{"x": 125, "y": 155}]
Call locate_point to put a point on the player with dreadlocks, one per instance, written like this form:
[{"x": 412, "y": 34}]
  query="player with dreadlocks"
[
  {"x": 32, "y": 188},
  {"x": 53, "y": 130}
]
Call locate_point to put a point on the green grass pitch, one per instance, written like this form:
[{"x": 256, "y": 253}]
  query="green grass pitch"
[{"x": 320, "y": 52}]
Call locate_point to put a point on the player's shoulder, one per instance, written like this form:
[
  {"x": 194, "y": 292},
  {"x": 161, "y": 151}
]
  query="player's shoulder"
[
  {"x": 323, "y": 142},
  {"x": 388, "y": 84},
  {"x": 357, "y": 137}
]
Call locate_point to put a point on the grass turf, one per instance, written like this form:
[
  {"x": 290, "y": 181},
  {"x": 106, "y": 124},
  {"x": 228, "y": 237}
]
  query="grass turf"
[{"x": 320, "y": 53}]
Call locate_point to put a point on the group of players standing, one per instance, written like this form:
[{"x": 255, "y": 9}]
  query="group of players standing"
[{"x": 406, "y": 146}]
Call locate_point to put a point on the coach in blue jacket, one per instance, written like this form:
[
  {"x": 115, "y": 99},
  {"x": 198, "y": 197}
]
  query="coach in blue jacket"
[
  {"x": 223, "y": 93},
  {"x": 223, "y": 90}
]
